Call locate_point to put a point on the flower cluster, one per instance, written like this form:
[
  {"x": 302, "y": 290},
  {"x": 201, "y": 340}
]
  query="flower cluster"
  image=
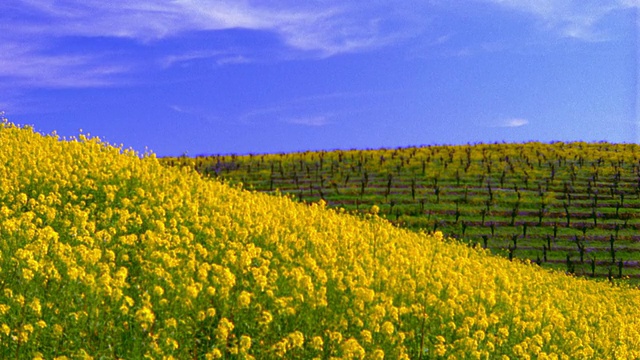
[{"x": 106, "y": 254}]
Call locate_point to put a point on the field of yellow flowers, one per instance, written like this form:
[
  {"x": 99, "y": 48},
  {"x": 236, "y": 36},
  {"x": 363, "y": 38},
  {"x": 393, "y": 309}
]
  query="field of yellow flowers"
[{"x": 107, "y": 254}]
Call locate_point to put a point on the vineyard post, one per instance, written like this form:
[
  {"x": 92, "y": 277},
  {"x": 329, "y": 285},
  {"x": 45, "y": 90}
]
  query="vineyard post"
[
  {"x": 580, "y": 246},
  {"x": 567, "y": 213},
  {"x": 570, "y": 266},
  {"x": 363, "y": 183},
  {"x": 413, "y": 189},
  {"x": 612, "y": 249},
  {"x": 620, "y": 265},
  {"x": 541, "y": 212},
  {"x": 626, "y": 217},
  {"x": 389, "y": 180},
  {"x": 336, "y": 187},
  {"x": 514, "y": 214},
  {"x": 271, "y": 181}
]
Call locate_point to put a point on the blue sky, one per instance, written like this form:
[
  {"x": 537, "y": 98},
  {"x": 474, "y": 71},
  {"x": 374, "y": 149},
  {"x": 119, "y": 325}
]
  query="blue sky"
[{"x": 205, "y": 77}]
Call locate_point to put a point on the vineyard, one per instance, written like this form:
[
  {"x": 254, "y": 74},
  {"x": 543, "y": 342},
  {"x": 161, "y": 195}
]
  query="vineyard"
[{"x": 568, "y": 206}]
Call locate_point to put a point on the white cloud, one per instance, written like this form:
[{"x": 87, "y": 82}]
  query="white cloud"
[
  {"x": 515, "y": 122},
  {"x": 321, "y": 28},
  {"x": 31, "y": 66},
  {"x": 231, "y": 60},
  {"x": 328, "y": 27},
  {"x": 576, "y": 19},
  {"x": 507, "y": 123},
  {"x": 318, "y": 28},
  {"x": 190, "y": 113},
  {"x": 306, "y": 110},
  {"x": 218, "y": 57},
  {"x": 320, "y": 120}
]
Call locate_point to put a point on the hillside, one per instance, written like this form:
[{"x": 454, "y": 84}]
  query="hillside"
[
  {"x": 569, "y": 206},
  {"x": 105, "y": 254}
]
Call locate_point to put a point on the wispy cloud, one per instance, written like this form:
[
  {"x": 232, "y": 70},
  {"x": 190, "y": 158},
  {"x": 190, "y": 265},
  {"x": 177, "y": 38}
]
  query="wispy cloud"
[
  {"x": 507, "y": 123},
  {"x": 576, "y": 19},
  {"x": 292, "y": 113},
  {"x": 218, "y": 57},
  {"x": 314, "y": 121},
  {"x": 309, "y": 110},
  {"x": 33, "y": 66},
  {"x": 171, "y": 60},
  {"x": 194, "y": 113},
  {"x": 31, "y": 28},
  {"x": 513, "y": 123},
  {"x": 231, "y": 60}
]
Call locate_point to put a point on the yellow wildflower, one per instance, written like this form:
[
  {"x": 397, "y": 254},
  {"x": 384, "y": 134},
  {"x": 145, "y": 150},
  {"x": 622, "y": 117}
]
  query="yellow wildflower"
[{"x": 244, "y": 299}]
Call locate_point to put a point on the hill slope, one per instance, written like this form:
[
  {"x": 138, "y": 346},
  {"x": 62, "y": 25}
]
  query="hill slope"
[
  {"x": 105, "y": 254},
  {"x": 569, "y": 206}
]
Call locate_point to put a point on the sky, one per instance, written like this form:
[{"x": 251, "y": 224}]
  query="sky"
[{"x": 198, "y": 77}]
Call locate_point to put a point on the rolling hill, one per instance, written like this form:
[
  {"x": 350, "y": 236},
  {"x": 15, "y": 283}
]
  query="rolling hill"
[{"x": 108, "y": 254}]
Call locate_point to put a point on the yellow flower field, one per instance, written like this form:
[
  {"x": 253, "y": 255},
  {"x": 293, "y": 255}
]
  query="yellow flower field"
[{"x": 106, "y": 254}]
